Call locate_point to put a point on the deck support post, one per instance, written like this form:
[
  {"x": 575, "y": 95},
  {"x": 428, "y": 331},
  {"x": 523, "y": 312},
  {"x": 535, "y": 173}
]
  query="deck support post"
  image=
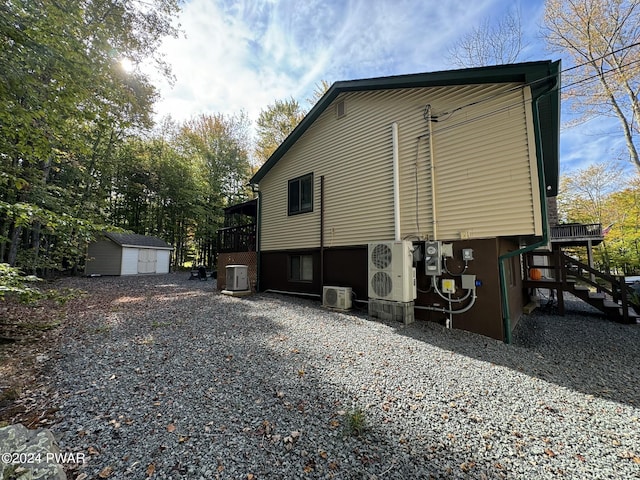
[{"x": 590, "y": 258}]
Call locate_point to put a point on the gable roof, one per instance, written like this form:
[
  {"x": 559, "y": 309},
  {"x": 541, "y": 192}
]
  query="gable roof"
[
  {"x": 542, "y": 76},
  {"x": 137, "y": 240}
]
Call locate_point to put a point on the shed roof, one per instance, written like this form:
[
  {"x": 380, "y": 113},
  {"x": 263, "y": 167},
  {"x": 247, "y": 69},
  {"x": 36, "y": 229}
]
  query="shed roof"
[
  {"x": 137, "y": 240},
  {"x": 542, "y": 76}
]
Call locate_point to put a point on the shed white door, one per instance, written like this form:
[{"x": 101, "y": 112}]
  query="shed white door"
[{"x": 146, "y": 260}]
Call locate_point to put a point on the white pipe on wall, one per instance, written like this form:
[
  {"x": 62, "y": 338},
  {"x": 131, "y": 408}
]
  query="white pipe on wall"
[{"x": 396, "y": 180}]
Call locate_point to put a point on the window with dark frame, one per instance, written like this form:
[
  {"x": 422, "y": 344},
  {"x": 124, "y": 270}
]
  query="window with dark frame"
[
  {"x": 512, "y": 269},
  {"x": 301, "y": 194},
  {"x": 301, "y": 268}
]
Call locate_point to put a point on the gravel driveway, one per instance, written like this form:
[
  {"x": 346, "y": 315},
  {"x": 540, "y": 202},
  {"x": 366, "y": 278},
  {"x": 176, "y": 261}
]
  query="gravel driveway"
[{"x": 169, "y": 379}]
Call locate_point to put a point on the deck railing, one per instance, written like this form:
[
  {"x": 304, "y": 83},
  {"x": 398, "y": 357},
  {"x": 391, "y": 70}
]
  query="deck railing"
[
  {"x": 576, "y": 231},
  {"x": 237, "y": 239}
]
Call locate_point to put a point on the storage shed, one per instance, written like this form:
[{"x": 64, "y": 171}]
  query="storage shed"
[{"x": 127, "y": 254}]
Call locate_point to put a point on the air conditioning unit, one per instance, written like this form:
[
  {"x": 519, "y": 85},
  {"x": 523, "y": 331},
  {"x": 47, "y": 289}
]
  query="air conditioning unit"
[
  {"x": 392, "y": 275},
  {"x": 336, "y": 297},
  {"x": 237, "y": 278}
]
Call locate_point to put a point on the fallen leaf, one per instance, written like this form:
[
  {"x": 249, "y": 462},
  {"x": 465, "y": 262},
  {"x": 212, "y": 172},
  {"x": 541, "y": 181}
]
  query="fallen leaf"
[
  {"x": 82, "y": 476},
  {"x": 323, "y": 454},
  {"x": 549, "y": 452},
  {"x": 171, "y": 428},
  {"x": 636, "y": 460},
  {"x": 250, "y": 476},
  {"x": 93, "y": 451},
  {"x": 465, "y": 467},
  {"x": 182, "y": 439},
  {"x": 106, "y": 472},
  {"x": 151, "y": 469}
]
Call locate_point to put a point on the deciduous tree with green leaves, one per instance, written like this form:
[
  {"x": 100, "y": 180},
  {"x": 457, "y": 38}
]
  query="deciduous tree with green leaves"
[
  {"x": 66, "y": 101},
  {"x": 601, "y": 194},
  {"x": 274, "y": 124}
]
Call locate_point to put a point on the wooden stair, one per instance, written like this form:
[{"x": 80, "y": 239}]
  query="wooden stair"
[{"x": 607, "y": 293}]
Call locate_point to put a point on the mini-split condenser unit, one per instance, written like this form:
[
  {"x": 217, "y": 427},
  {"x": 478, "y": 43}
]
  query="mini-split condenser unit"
[
  {"x": 336, "y": 297},
  {"x": 392, "y": 275}
]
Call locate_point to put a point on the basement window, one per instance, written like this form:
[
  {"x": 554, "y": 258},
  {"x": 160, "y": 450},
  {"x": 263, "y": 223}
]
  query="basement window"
[
  {"x": 301, "y": 194},
  {"x": 513, "y": 267},
  {"x": 301, "y": 268}
]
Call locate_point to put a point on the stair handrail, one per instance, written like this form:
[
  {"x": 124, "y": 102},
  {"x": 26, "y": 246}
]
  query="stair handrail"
[{"x": 619, "y": 291}]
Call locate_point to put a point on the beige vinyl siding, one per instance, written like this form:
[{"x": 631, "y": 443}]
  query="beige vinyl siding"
[
  {"x": 484, "y": 170},
  {"x": 482, "y": 165}
]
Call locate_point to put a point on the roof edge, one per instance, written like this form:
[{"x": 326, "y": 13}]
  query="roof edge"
[{"x": 516, "y": 72}]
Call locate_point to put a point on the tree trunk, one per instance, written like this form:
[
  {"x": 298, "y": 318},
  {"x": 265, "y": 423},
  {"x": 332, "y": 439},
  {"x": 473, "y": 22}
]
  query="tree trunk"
[
  {"x": 35, "y": 244},
  {"x": 3, "y": 239},
  {"x": 13, "y": 249}
]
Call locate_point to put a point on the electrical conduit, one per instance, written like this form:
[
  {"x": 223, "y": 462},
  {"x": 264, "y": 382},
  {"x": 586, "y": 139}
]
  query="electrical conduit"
[{"x": 396, "y": 180}]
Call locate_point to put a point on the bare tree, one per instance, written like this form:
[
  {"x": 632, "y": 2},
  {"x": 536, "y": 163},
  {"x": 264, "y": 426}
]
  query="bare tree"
[
  {"x": 490, "y": 43},
  {"x": 601, "y": 39}
]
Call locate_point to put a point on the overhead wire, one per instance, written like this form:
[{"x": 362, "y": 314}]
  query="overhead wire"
[
  {"x": 515, "y": 103},
  {"x": 449, "y": 114}
]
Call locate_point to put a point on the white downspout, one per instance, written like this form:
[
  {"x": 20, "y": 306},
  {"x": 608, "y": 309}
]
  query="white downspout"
[{"x": 396, "y": 181}]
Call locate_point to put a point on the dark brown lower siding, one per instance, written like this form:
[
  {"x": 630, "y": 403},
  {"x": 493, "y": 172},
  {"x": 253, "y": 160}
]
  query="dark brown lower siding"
[
  {"x": 344, "y": 267},
  {"x": 485, "y": 317},
  {"x": 348, "y": 267}
]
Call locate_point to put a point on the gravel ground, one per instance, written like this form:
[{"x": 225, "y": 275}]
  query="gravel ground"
[{"x": 169, "y": 379}]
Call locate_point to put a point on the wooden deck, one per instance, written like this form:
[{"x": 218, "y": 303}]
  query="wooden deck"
[{"x": 561, "y": 273}]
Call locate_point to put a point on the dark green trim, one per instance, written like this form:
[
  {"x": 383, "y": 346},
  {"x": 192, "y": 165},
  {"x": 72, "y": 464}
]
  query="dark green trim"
[
  {"x": 258, "y": 239},
  {"x": 506, "y": 314},
  {"x": 540, "y": 75}
]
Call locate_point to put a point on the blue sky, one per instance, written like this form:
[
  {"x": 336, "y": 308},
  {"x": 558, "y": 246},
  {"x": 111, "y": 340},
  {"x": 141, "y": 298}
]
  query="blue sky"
[{"x": 243, "y": 55}]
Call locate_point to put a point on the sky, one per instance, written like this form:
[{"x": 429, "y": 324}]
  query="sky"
[{"x": 242, "y": 55}]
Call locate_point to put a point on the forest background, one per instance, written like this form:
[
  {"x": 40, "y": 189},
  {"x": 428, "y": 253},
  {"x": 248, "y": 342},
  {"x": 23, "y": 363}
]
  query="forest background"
[{"x": 80, "y": 151}]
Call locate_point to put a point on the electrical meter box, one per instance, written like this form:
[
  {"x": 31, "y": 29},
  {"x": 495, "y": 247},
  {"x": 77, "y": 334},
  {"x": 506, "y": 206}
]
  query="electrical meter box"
[{"x": 433, "y": 258}]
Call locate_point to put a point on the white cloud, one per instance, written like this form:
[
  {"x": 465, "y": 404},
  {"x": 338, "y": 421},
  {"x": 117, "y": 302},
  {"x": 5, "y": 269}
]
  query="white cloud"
[
  {"x": 594, "y": 142},
  {"x": 243, "y": 55}
]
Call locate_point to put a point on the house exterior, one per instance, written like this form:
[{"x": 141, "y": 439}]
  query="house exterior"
[
  {"x": 465, "y": 157},
  {"x": 127, "y": 254},
  {"x": 237, "y": 242}
]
